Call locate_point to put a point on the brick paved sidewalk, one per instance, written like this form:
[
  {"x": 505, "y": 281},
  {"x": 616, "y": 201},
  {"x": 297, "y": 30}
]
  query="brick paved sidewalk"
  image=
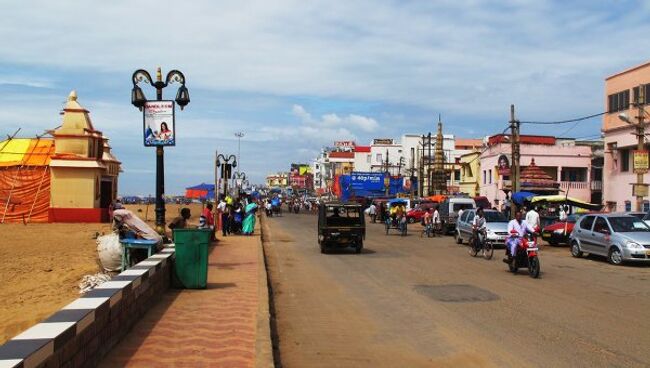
[{"x": 216, "y": 327}]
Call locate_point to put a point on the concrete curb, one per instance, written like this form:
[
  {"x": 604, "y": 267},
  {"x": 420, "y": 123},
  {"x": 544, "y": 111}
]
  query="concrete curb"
[{"x": 263, "y": 345}]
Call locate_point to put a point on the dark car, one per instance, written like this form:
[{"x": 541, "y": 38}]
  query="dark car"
[{"x": 559, "y": 231}]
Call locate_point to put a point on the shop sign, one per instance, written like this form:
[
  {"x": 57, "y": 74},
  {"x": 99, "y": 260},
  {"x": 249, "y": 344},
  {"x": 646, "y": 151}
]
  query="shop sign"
[
  {"x": 345, "y": 144},
  {"x": 382, "y": 141},
  {"x": 640, "y": 162},
  {"x": 640, "y": 190},
  {"x": 159, "y": 126}
]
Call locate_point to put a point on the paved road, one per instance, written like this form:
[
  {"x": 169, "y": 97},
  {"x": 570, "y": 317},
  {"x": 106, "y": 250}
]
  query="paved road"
[{"x": 414, "y": 302}]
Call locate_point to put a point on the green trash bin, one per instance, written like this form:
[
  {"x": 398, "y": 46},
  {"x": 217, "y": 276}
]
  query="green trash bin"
[{"x": 191, "y": 264}]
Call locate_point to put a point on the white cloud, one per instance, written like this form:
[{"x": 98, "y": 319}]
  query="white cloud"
[{"x": 332, "y": 120}]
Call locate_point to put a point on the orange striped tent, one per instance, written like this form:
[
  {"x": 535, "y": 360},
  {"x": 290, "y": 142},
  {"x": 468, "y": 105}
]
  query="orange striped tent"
[{"x": 25, "y": 179}]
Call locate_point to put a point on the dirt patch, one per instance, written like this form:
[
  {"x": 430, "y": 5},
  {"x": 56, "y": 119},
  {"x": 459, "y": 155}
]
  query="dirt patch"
[
  {"x": 453, "y": 293},
  {"x": 42, "y": 265}
]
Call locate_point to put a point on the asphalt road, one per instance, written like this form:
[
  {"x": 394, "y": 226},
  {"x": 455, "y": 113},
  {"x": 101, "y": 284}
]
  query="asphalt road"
[{"x": 424, "y": 302}]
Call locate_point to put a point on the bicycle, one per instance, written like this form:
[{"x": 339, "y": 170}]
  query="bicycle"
[
  {"x": 428, "y": 230},
  {"x": 485, "y": 246}
]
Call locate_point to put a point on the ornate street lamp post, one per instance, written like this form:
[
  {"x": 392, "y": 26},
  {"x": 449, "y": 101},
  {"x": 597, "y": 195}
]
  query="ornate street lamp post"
[
  {"x": 226, "y": 163},
  {"x": 139, "y": 100},
  {"x": 239, "y": 178}
]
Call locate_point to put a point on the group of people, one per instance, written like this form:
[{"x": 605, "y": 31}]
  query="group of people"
[{"x": 237, "y": 215}]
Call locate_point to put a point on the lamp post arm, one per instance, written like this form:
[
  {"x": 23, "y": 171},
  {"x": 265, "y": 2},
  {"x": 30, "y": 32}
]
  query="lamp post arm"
[
  {"x": 175, "y": 76},
  {"x": 141, "y": 75}
]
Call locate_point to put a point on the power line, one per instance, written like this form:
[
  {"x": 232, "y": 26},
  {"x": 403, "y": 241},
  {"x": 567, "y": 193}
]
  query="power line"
[{"x": 564, "y": 121}]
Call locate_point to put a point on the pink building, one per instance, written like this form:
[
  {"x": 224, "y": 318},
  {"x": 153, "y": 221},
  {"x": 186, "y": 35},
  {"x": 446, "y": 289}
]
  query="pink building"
[
  {"x": 564, "y": 160},
  {"x": 620, "y": 139}
]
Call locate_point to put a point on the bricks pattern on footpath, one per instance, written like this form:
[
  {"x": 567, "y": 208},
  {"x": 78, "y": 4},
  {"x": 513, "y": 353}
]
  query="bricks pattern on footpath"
[{"x": 215, "y": 327}]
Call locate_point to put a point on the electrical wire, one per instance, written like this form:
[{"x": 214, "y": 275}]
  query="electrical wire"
[{"x": 563, "y": 121}]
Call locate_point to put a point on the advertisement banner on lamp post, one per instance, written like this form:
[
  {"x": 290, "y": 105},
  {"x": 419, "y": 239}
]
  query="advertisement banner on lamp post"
[
  {"x": 159, "y": 126},
  {"x": 640, "y": 162},
  {"x": 503, "y": 164}
]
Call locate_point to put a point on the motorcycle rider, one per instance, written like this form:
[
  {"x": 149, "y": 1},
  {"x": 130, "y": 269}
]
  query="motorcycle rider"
[
  {"x": 517, "y": 228},
  {"x": 479, "y": 227}
]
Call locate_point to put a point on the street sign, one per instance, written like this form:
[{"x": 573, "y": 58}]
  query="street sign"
[
  {"x": 158, "y": 123},
  {"x": 640, "y": 162},
  {"x": 640, "y": 190}
]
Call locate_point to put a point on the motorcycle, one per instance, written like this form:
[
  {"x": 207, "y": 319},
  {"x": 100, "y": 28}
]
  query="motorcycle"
[
  {"x": 296, "y": 208},
  {"x": 526, "y": 256}
]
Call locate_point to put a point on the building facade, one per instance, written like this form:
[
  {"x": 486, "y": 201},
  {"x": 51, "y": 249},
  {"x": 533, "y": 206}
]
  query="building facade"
[
  {"x": 621, "y": 91},
  {"x": 562, "y": 159}
]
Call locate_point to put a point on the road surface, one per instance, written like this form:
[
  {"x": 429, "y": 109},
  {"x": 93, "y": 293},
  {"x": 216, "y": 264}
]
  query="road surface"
[{"x": 424, "y": 302}]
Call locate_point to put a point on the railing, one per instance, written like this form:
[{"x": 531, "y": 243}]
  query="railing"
[{"x": 574, "y": 185}]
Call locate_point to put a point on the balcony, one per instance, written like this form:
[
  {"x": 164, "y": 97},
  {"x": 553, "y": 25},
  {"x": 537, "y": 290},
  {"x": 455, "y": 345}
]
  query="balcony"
[
  {"x": 594, "y": 185},
  {"x": 564, "y": 185}
]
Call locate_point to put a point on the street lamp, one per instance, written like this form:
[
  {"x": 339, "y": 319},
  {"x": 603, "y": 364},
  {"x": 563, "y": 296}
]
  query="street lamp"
[
  {"x": 138, "y": 99},
  {"x": 239, "y": 136},
  {"x": 226, "y": 164},
  {"x": 239, "y": 178}
]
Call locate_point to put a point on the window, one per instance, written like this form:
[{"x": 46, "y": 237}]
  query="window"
[
  {"x": 484, "y": 177},
  {"x": 601, "y": 226},
  {"x": 574, "y": 174},
  {"x": 618, "y": 101},
  {"x": 470, "y": 217},
  {"x": 625, "y": 160},
  {"x": 490, "y": 175},
  {"x": 456, "y": 175},
  {"x": 379, "y": 157},
  {"x": 646, "y": 92},
  {"x": 646, "y": 206},
  {"x": 586, "y": 222},
  {"x": 368, "y": 158},
  {"x": 628, "y": 206}
]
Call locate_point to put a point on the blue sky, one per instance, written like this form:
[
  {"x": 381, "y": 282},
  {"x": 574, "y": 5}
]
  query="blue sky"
[{"x": 295, "y": 75}]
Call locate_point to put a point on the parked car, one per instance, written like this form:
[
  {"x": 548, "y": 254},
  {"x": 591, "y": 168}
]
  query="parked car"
[
  {"x": 559, "y": 231},
  {"x": 495, "y": 222},
  {"x": 415, "y": 215},
  {"x": 449, "y": 211},
  {"x": 637, "y": 214},
  {"x": 617, "y": 236}
]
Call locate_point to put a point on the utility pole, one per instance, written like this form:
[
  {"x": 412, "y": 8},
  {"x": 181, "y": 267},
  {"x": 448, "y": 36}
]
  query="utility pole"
[
  {"x": 412, "y": 171},
  {"x": 640, "y": 133},
  {"x": 515, "y": 168},
  {"x": 429, "y": 164}
]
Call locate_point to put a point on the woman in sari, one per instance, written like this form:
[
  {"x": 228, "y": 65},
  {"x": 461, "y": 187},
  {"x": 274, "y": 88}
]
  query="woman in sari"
[{"x": 248, "y": 226}]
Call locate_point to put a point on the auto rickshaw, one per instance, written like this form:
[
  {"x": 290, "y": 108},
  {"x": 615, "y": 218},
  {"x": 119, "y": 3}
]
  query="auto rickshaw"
[{"x": 341, "y": 225}]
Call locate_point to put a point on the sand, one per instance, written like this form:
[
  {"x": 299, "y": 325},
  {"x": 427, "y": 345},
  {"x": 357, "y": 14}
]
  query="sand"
[{"x": 42, "y": 265}]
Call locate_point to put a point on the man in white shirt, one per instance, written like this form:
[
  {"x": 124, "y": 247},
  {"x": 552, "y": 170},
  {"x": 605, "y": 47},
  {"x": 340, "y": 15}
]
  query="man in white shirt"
[
  {"x": 563, "y": 215},
  {"x": 436, "y": 220},
  {"x": 532, "y": 219},
  {"x": 516, "y": 230}
]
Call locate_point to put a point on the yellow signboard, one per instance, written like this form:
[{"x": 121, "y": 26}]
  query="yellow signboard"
[
  {"x": 641, "y": 162},
  {"x": 640, "y": 190}
]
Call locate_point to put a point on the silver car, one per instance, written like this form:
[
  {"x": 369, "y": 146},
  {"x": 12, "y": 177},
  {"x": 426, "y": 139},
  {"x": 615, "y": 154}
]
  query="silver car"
[
  {"x": 495, "y": 222},
  {"x": 619, "y": 237}
]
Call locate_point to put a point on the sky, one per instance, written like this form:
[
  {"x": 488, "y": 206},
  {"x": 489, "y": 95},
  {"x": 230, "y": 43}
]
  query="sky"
[{"x": 297, "y": 75}]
